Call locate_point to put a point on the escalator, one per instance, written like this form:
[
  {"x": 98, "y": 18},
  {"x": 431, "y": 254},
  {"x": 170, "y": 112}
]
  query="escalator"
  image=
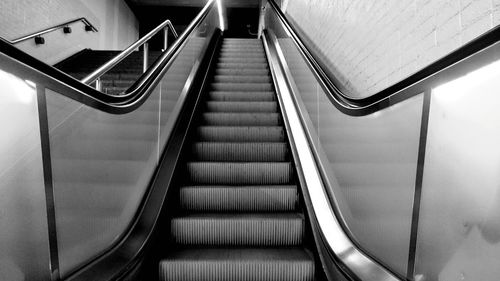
[
  {"x": 229, "y": 159},
  {"x": 239, "y": 213}
]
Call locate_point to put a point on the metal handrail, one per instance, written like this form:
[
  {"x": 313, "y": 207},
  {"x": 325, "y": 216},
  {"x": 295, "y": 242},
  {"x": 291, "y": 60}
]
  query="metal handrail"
[
  {"x": 449, "y": 67},
  {"x": 21, "y": 64},
  {"x": 94, "y": 76},
  {"x": 88, "y": 27}
]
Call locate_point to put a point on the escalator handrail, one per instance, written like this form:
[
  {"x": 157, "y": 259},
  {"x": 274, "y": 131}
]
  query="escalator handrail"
[
  {"x": 332, "y": 230},
  {"x": 92, "y": 77},
  {"x": 449, "y": 67},
  {"x": 340, "y": 246},
  {"x": 22, "y": 64},
  {"x": 84, "y": 20}
]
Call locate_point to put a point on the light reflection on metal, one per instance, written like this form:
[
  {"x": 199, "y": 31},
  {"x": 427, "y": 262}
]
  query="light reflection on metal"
[
  {"x": 145, "y": 57},
  {"x": 30, "y": 83},
  {"x": 463, "y": 85},
  {"x": 221, "y": 18},
  {"x": 17, "y": 88}
]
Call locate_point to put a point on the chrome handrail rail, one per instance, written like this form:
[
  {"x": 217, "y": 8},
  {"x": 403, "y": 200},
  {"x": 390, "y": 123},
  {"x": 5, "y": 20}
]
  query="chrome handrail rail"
[
  {"x": 88, "y": 27},
  {"x": 95, "y": 75}
]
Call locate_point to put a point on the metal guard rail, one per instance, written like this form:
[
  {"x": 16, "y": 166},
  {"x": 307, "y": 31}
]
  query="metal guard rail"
[
  {"x": 25, "y": 65},
  {"x": 95, "y": 75},
  {"x": 88, "y": 27}
]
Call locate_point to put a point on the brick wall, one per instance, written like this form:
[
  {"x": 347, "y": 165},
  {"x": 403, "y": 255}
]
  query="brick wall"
[
  {"x": 370, "y": 45},
  {"x": 116, "y": 23}
]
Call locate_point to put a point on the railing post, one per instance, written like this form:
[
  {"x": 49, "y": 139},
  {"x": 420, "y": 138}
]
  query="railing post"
[
  {"x": 98, "y": 84},
  {"x": 165, "y": 38},
  {"x": 146, "y": 56}
]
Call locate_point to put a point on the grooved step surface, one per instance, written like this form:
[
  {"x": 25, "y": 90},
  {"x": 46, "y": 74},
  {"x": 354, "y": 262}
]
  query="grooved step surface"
[
  {"x": 253, "y": 198},
  {"x": 241, "y": 96},
  {"x": 232, "y": 65},
  {"x": 238, "y": 216},
  {"x": 242, "y": 152},
  {"x": 248, "y": 86},
  {"x": 249, "y": 106},
  {"x": 242, "y": 59},
  {"x": 229, "y": 54},
  {"x": 242, "y": 79},
  {"x": 241, "y": 119},
  {"x": 241, "y": 71},
  {"x": 241, "y": 134},
  {"x": 238, "y": 264},
  {"x": 277, "y": 229},
  {"x": 240, "y": 173}
]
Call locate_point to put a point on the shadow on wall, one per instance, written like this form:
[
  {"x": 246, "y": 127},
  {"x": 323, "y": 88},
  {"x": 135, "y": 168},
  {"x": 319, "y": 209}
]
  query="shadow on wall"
[{"x": 340, "y": 80}]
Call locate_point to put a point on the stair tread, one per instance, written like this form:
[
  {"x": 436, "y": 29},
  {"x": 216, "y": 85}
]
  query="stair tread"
[
  {"x": 241, "y": 216},
  {"x": 240, "y": 254},
  {"x": 244, "y": 198},
  {"x": 272, "y": 229},
  {"x": 249, "y": 152},
  {"x": 241, "y": 133},
  {"x": 238, "y": 106}
]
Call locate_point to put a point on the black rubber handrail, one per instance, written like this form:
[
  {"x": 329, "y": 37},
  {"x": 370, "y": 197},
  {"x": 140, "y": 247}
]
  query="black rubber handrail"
[
  {"x": 88, "y": 27},
  {"x": 22, "y": 63},
  {"x": 448, "y": 67}
]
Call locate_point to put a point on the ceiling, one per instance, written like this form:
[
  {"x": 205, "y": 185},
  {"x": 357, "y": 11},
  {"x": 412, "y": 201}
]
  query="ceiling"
[
  {"x": 241, "y": 15},
  {"x": 194, "y": 3}
]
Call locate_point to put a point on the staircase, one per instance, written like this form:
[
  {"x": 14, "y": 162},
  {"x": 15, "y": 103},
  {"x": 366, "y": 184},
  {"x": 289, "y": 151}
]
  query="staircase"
[
  {"x": 239, "y": 214},
  {"x": 115, "y": 81}
]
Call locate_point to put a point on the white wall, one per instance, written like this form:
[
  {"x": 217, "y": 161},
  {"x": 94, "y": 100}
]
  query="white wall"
[
  {"x": 116, "y": 23},
  {"x": 370, "y": 45}
]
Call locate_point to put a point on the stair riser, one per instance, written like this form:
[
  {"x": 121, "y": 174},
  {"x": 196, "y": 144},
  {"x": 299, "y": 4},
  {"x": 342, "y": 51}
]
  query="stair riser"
[
  {"x": 259, "y": 66},
  {"x": 241, "y": 96},
  {"x": 234, "y": 134},
  {"x": 246, "y": 55},
  {"x": 255, "y": 52},
  {"x": 241, "y": 152},
  {"x": 227, "y": 271},
  {"x": 242, "y": 79},
  {"x": 243, "y": 49},
  {"x": 242, "y": 107},
  {"x": 239, "y": 199},
  {"x": 239, "y": 173},
  {"x": 241, "y": 119},
  {"x": 242, "y": 71},
  {"x": 242, "y": 60},
  {"x": 242, "y": 87},
  {"x": 237, "y": 232}
]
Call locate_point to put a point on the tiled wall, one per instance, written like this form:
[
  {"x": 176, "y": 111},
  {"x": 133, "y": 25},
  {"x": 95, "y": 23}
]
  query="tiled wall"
[
  {"x": 117, "y": 25},
  {"x": 370, "y": 45}
]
